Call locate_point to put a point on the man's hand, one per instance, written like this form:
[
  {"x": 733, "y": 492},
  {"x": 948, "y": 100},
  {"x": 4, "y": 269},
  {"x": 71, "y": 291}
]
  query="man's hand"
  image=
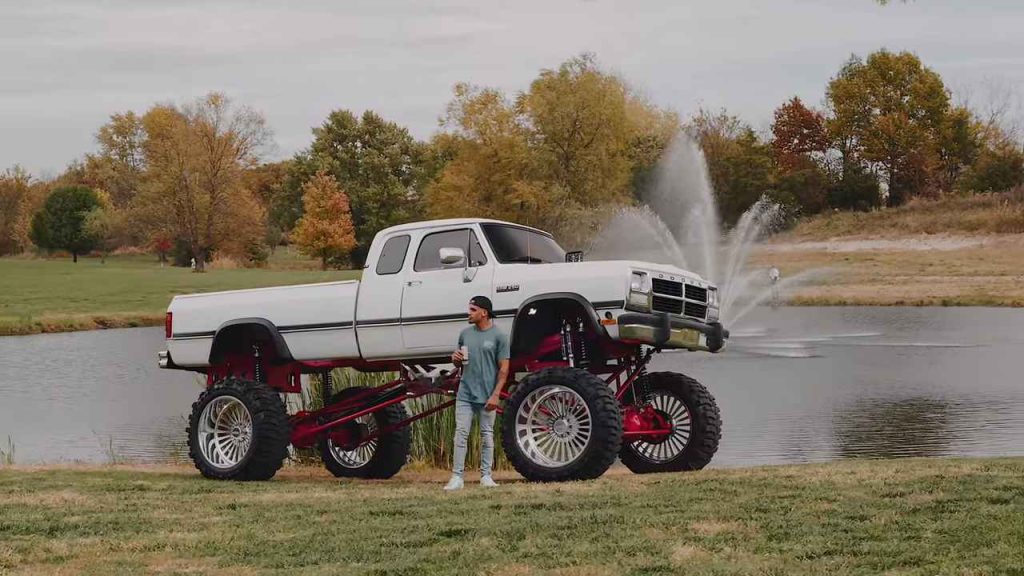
[
  {"x": 458, "y": 358},
  {"x": 492, "y": 403}
]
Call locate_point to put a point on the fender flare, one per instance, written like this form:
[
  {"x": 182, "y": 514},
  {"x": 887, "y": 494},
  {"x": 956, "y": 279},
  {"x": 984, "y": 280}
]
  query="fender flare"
[
  {"x": 258, "y": 328},
  {"x": 590, "y": 315}
]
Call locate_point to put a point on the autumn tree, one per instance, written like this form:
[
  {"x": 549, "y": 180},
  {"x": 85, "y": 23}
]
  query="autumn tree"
[
  {"x": 889, "y": 111},
  {"x": 578, "y": 139},
  {"x": 798, "y": 134},
  {"x": 800, "y": 145},
  {"x": 194, "y": 191},
  {"x": 377, "y": 162},
  {"x": 60, "y": 225},
  {"x": 15, "y": 189},
  {"x": 325, "y": 230}
]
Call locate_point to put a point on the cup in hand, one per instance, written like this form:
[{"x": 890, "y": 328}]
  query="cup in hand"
[{"x": 464, "y": 350}]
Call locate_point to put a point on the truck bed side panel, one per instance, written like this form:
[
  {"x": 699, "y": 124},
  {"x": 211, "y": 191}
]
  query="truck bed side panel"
[{"x": 315, "y": 320}]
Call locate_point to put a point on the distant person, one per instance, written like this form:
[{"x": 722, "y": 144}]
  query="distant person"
[
  {"x": 483, "y": 354},
  {"x": 773, "y": 277},
  {"x": 193, "y": 263}
]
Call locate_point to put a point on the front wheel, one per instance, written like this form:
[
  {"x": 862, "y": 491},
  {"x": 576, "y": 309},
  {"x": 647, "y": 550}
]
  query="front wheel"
[
  {"x": 238, "y": 430},
  {"x": 696, "y": 427},
  {"x": 561, "y": 424}
]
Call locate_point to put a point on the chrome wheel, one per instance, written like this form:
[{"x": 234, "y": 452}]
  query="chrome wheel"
[
  {"x": 225, "y": 432},
  {"x": 360, "y": 455},
  {"x": 553, "y": 426},
  {"x": 669, "y": 447}
]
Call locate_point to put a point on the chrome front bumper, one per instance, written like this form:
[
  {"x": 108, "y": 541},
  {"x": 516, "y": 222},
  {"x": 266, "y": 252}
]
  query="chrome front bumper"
[{"x": 665, "y": 331}]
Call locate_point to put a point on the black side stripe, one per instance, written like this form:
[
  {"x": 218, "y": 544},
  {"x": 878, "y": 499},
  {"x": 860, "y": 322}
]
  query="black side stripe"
[
  {"x": 187, "y": 335},
  {"x": 604, "y": 305},
  {"x": 315, "y": 327}
]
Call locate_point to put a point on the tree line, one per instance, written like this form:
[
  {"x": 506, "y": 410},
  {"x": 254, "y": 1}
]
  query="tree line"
[{"x": 188, "y": 181}]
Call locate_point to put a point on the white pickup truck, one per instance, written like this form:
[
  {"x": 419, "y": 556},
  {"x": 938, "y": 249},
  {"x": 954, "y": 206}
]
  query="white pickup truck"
[{"x": 581, "y": 332}]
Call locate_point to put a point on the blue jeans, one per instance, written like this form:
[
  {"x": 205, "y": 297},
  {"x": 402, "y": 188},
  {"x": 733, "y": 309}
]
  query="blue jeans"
[{"x": 463, "y": 422}]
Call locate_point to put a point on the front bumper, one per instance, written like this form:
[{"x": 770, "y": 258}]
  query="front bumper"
[{"x": 665, "y": 331}]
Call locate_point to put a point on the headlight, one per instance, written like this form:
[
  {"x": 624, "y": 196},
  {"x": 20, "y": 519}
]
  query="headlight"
[
  {"x": 713, "y": 296},
  {"x": 639, "y": 290},
  {"x": 638, "y": 282}
]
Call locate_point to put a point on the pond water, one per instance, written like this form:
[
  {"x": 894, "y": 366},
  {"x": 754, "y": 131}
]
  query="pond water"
[{"x": 795, "y": 385}]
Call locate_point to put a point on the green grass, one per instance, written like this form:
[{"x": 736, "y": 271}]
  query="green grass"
[
  {"x": 921, "y": 516},
  {"x": 50, "y": 295}
]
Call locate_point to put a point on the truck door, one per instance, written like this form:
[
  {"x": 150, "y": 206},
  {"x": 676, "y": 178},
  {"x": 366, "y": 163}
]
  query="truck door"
[{"x": 435, "y": 295}]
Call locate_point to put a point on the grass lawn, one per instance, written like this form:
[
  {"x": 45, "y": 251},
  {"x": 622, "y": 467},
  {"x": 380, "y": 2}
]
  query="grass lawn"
[
  {"x": 919, "y": 516},
  {"x": 48, "y": 295}
]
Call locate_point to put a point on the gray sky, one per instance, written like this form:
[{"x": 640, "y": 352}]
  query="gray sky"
[{"x": 67, "y": 65}]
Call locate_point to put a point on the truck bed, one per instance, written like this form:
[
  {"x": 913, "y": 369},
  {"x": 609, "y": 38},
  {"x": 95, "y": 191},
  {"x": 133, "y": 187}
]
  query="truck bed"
[{"x": 316, "y": 320}]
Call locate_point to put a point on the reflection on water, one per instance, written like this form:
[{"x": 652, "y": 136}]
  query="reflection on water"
[
  {"x": 893, "y": 428},
  {"x": 795, "y": 385}
]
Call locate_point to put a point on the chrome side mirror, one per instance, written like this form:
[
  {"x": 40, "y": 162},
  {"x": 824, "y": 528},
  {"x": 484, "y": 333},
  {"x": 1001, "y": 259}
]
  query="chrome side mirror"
[{"x": 453, "y": 257}]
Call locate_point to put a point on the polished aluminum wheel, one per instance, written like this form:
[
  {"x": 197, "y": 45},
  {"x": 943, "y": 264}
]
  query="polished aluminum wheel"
[
  {"x": 360, "y": 455},
  {"x": 678, "y": 415},
  {"x": 553, "y": 426},
  {"x": 225, "y": 432}
]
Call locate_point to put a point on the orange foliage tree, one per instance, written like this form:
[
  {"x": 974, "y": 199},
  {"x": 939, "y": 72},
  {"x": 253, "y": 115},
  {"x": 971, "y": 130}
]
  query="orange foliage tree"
[{"x": 325, "y": 230}]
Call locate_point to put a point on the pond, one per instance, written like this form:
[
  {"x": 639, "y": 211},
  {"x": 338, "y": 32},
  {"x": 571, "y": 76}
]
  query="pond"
[{"x": 795, "y": 385}]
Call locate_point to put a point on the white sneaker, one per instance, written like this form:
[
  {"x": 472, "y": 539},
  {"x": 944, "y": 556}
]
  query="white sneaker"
[
  {"x": 488, "y": 482},
  {"x": 454, "y": 484}
]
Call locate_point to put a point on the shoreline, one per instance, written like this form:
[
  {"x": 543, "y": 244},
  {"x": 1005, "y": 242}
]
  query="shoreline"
[
  {"x": 62, "y": 325},
  {"x": 963, "y": 270}
]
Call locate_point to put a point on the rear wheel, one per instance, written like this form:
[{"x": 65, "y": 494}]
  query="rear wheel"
[
  {"x": 561, "y": 424},
  {"x": 696, "y": 427},
  {"x": 381, "y": 457},
  {"x": 238, "y": 430}
]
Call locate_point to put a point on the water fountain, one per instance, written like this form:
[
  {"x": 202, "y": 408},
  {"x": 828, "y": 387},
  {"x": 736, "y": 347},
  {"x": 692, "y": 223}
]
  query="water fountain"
[{"x": 679, "y": 225}]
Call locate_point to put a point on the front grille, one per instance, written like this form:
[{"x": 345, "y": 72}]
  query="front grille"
[
  {"x": 669, "y": 297},
  {"x": 667, "y": 287},
  {"x": 662, "y": 304},
  {"x": 696, "y": 293},
  {"x": 699, "y": 311}
]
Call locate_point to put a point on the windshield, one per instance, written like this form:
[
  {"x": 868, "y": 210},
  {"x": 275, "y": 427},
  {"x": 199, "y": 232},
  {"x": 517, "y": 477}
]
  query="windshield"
[{"x": 512, "y": 244}]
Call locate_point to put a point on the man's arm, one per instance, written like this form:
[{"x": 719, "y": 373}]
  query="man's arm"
[{"x": 495, "y": 400}]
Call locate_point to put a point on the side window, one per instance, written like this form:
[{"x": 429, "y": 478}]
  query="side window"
[
  {"x": 392, "y": 256},
  {"x": 428, "y": 257}
]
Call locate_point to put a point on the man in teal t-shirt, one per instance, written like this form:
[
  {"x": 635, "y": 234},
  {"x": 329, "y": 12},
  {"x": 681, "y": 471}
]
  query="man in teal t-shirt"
[{"x": 483, "y": 375}]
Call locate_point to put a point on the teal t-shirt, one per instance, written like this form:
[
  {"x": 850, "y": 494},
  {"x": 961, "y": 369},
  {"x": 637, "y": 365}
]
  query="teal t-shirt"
[{"x": 486, "y": 349}]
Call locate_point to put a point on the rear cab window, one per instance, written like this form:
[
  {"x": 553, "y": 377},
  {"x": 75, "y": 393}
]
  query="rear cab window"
[{"x": 392, "y": 256}]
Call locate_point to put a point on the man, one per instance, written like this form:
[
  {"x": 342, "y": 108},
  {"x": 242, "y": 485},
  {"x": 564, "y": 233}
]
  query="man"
[{"x": 483, "y": 375}]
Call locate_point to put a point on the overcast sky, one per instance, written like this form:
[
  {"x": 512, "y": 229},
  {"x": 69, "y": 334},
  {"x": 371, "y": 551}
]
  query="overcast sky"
[{"x": 67, "y": 65}]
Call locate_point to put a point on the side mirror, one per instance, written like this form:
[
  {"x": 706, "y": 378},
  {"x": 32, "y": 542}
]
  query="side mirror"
[
  {"x": 453, "y": 256},
  {"x": 574, "y": 256}
]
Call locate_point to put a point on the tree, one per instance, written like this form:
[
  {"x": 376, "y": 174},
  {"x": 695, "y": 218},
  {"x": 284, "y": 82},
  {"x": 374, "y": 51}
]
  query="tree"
[
  {"x": 14, "y": 192},
  {"x": 556, "y": 156},
  {"x": 739, "y": 163},
  {"x": 61, "y": 223},
  {"x": 377, "y": 162},
  {"x": 889, "y": 111},
  {"x": 325, "y": 230},
  {"x": 194, "y": 191},
  {"x": 580, "y": 131},
  {"x": 798, "y": 133}
]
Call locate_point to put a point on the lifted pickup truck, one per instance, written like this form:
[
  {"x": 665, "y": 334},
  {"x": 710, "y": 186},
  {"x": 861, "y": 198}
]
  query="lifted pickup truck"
[{"x": 581, "y": 333}]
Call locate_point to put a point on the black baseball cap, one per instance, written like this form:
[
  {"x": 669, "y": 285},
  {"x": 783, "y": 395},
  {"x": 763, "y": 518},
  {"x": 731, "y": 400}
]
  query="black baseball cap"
[{"x": 483, "y": 302}]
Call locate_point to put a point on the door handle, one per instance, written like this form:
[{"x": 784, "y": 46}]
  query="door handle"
[{"x": 413, "y": 283}]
